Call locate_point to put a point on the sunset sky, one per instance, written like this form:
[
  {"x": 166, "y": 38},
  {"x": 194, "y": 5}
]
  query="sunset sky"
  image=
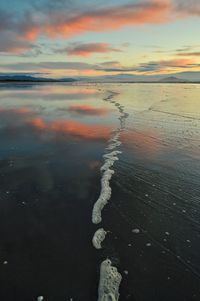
[{"x": 99, "y": 37}]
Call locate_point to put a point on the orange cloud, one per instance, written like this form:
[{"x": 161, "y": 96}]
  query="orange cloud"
[
  {"x": 88, "y": 110},
  {"x": 177, "y": 62},
  {"x": 38, "y": 123},
  {"x": 62, "y": 24},
  {"x": 68, "y": 127},
  {"x": 73, "y": 128},
  {"x": 189, "y": 54},
  {"x": 165, "y": 65},
  {"x": 88, "y": 49},
  {"x": 32, "y": 33}
]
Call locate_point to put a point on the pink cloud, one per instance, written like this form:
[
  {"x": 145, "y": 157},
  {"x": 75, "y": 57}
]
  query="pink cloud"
[
  {"x": 88, "y": 110},
  {"x": 88, "y": 49},
  {"x": 73, "y": 128},
  {"x": 189, "y": 54},
  {"x": 59, "y": 24}
]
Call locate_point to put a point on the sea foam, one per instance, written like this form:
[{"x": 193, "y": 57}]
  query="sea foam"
[
  {"x": 109, "y": 282},
  {"x": 98, "y": 238},
  {"x": 110, "y": 278},
  {"x": 109, "y": 159}
]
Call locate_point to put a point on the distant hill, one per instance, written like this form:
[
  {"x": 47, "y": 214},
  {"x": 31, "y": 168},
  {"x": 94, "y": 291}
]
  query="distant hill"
[
  {"x": 172, "y": 79},
  {"x": 181, "y": 77},
  {"x": 28, "y": 78}
]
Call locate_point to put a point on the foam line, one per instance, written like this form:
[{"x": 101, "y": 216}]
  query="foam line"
[
  {"x": 109, "y": 282},
  {"x": 104, "y": 197},
  {"x": 110, "y": 278},
  {"x": 98, "y": 238},
  {"x": 109, "y": 160}
]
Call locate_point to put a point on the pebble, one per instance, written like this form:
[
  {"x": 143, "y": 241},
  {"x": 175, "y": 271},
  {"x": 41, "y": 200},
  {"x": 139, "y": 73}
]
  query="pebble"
[
  {"x": 148, "y": 244},
  {"x": 40, "y": 298},
  {"x": 126, "y": 272},
  {"x": 5, "y": 262},
  {"x": 136, "y": 231}
]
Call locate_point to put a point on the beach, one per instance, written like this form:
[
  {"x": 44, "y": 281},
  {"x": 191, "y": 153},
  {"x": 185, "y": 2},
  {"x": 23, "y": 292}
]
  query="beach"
[{"x": 131, "y": 149}]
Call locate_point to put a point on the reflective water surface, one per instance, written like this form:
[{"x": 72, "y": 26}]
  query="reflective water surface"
[{"x": 52, "y": 139}]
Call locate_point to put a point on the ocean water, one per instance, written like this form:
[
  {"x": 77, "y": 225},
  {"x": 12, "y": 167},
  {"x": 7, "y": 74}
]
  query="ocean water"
[{"x": 53, "y": 141}]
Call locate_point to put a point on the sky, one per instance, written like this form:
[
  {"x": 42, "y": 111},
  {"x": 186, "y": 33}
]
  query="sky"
[{"x": 73, "y": 38}]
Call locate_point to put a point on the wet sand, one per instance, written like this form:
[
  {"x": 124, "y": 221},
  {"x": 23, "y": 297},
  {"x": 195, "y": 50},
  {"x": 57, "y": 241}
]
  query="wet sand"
[{"x": 52, "y": 144}]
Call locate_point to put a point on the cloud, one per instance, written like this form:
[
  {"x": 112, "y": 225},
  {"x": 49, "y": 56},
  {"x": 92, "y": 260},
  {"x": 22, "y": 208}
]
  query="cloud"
[
  {"x": 72, "y": 128},
  {"x": 22, "y": 118},
  {"x": 64, "y": 19},
  {"x": 52, "y": 5},
  {"x": 21, "y": 110},
  {"x": 188, "y": 7},
  {"x": 10, "y": 44},
  {"x": 15, "y": 117},
  {"x": 49, "y": 66},
  {"x": 58, "y": 24},
  {"x": 88, "y": 110},
  {"x": 111, "y": 64},
  {"x": 5, "y": 20},
  {"x": 69, "y": 22},
  {"x": 165, "y": 64},
  {"x": 154, "y": 66},
  {"x": 189, "y": 54},
  {"x": 109, "y": 67},
  {"x": 87, "y": 49}
]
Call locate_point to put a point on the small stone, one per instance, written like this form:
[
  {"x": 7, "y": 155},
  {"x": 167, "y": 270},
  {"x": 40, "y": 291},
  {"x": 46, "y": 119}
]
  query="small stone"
[
  {"x": 40, "y": 298},
  {"x": 5, "y": 262},
  {"x": 148, "y": 244},
  {"x": 129, "y": 245},
  {"x": 167, "y": 233},
  {"x": 136, "y": 231},
  {"x": 126, "y": 272}
]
